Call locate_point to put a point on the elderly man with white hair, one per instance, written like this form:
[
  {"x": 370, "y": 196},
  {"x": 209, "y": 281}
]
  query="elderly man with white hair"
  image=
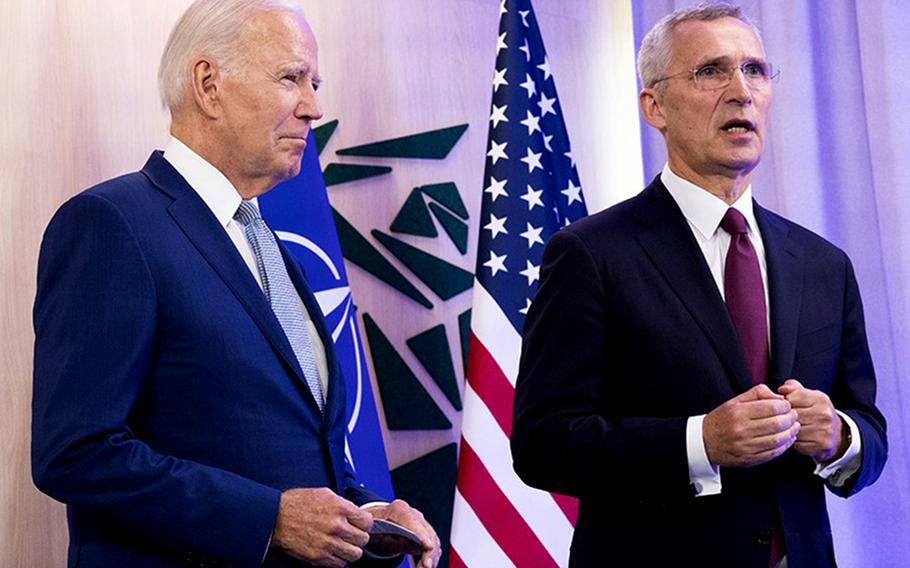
[{"x": 188, "y": 407}]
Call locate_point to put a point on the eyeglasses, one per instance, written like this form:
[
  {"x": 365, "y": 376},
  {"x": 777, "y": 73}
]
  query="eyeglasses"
[{"x": 713, "y": 76}]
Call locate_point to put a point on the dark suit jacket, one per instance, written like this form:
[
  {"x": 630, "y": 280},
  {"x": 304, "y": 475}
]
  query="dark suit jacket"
[
  {"x": 628, "y": 336},
  {"x": 169, "y": 410}
]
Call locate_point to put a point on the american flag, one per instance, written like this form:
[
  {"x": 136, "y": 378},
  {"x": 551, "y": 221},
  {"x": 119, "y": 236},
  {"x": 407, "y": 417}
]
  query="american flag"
[{"x": 531, "y": 190}]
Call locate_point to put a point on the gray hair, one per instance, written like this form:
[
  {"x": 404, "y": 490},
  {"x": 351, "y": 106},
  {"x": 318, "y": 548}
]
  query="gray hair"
[
  {"x": 208, "y": 28},
  {"x": 655, "y": 54}
]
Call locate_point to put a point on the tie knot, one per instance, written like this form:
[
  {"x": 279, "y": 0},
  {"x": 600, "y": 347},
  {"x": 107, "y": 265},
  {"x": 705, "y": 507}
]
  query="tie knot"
[
  {"x": 247, "y": 213},
  {"x": 734, "y": 222}
]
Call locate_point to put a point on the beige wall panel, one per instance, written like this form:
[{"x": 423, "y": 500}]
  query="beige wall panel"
[{"x": 79, "y": 104}]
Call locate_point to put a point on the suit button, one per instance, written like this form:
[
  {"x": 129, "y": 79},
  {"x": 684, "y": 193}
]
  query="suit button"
[{"x": 763, "y": 537}]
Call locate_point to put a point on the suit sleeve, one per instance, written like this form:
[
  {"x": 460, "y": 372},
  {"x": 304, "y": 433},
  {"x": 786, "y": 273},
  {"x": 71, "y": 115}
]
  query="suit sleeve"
[
  {"x": 854, "y": 391},
  {"x": 95, "y": 326},
  {"x": 565, "y": 438}
]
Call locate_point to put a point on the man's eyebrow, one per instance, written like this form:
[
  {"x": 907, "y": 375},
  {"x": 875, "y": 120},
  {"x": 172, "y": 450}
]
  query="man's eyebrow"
[{"x": 723, "y": 60}]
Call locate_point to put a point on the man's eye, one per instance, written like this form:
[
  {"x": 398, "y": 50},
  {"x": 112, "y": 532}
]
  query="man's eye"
[
  {"x": 290, "y": 77},
  {"x": 708, "y": 71},
  {"x": 755, "y": 70}
]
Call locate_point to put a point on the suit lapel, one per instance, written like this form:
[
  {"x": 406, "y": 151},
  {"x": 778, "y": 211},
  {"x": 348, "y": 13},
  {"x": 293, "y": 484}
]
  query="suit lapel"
[
  {"x": 667, "y": 239},
  {"x": 785, "y": 283},
  {"x": 201, "y": 227}
]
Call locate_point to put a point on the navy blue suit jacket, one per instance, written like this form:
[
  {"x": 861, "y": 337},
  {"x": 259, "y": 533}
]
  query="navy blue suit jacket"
[
  {"x": 169, "y": 410},
  {"x": 628, "y": 336}
]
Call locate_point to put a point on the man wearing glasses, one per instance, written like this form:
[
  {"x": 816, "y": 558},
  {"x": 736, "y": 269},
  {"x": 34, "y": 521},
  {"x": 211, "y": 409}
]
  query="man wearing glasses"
[{"x": 695, "y": 367}]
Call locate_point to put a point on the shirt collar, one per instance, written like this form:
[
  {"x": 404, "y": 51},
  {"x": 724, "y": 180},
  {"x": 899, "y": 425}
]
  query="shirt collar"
[
  {"x": 212, "y": 186},
  {"x": 702, "y": 209}
]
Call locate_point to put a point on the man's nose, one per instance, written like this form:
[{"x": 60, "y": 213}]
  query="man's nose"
[
  {"x": 308, "y": 106},
  {"x": 739, "y": 90}
]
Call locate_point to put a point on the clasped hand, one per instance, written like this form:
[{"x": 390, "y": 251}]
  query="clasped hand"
[{"x": 759, "y": 425}]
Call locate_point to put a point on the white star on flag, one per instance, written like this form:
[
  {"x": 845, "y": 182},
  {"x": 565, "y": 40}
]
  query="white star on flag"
[
  {"x": 533, "y": 160},
  {"x": 502, "y": 7},
  {"x": 546, "y": 105},
  {"x": 572, "y": 192},
  {"x": 545, "y": 67},
  {"x": 496, "y": 226},
  {"x": 496, "y": 263},
  {"x": 546, "y": 142},
  {"x": 529, "y": 85},
  {"x": 571, "y": 157},
  {"x": 532, "y": 122},
  {"x": 527, "y": 50},
  {"x": 501, "y": 42},
  {"x": 499, "y": 79},
  {"x": 499, "y": 115},
  {"x": 497, "y": 151},
  {"x": 532, "y": 273},
  {"x": 497, "y": 188},
  {"x": 533, "y": 197},
  {"x": 533, "y": 235},
  {"x": 525, "y": 309},
  {"x": 524, "y": 17}
]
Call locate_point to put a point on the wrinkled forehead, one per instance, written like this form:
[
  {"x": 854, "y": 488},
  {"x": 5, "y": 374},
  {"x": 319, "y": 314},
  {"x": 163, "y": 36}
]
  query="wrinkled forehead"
[{"x": 694, "y": 42}]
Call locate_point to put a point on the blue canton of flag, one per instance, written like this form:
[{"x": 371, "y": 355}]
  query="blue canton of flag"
[
  {"x": 531, "y": 183},
  {"x": 298, "y": 211}
]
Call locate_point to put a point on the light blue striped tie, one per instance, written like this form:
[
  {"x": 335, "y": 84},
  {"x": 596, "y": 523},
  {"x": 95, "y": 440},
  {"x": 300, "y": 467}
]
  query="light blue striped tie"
[{"x": 281, "y": 293}]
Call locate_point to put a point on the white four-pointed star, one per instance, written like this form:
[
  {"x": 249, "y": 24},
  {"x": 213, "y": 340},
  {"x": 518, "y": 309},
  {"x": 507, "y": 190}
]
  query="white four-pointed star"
[
  {"x": 527, "y": 307},
  {"x": 497, "y": 151},
  {"x": 546, "y": 105},
  {"x": 545, "y": 67},
  {"x": 496, "y": 188},
  {"x": 499, "y": 115},
  {"x": 533, "y": 197},
  {"x": 571, "y": 157},
  {"x": 496, "y": 226},
  {"x": 527, "y": 51},
  {"x": 546, "y": 142},
  {"x": 532, "y": 273},
  {"x": 524, "y": 16},
  {"x": 501, "y": 42},
  {"x": 529, "y": 85},
  {"x": 533, "y": 160},
  {"x": 572, "y": 192},
  {"x": 533, "y": 235},
  {"x": 499, "y": 79},
  {"x": 496, "y": 263},
  {"x": 532, "y": 122}
]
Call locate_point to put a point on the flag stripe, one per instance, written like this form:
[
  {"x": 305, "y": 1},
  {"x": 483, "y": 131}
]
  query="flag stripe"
[
  {"x": 488, "y": 381},
  {"x": 474, "y": 545},
  {"x": 495, "y": 331},
  {"x": 496, "y": 512},
  {"x": 538, "y": 508}
]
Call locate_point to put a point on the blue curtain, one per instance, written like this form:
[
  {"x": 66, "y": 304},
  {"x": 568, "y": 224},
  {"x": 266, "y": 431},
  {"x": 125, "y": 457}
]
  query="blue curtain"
[{"x": 837, "y": 163}]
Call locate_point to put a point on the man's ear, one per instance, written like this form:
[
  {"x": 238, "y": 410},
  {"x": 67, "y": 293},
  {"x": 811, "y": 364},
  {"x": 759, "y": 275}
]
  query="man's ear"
[
  {"x": 205, "y": 82},
  {"x": 651, "y": 108}
]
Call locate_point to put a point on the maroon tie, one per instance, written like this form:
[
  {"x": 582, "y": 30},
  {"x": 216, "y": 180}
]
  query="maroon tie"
[
  {"x": 745, "y": 298},
  {"x": 745, "y": 295}
]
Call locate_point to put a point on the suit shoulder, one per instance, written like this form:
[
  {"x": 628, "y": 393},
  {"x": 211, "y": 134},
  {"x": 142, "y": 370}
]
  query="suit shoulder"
[
  {"x": 814, "y": 244},
  {"x": 611, "y": 224}
]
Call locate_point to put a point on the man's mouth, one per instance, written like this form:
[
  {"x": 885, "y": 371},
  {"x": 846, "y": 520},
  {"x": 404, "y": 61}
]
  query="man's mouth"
[{"x": 738, "y": 126}]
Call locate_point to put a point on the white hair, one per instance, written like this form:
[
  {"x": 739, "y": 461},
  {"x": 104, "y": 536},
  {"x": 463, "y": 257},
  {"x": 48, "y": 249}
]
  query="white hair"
[
  {"x": 655, "y": 53},
  {"x": 209, "y": 28}
]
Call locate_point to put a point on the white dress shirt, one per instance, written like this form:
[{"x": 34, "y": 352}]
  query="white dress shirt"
[
  {"x": 703, "y": 212},
  {"x": 223, "y": 200}
]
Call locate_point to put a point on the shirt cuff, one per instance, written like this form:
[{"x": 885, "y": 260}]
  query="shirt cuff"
[
  {"x": 840, "y": 470},
  {"x": 703, "y": 475}
]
